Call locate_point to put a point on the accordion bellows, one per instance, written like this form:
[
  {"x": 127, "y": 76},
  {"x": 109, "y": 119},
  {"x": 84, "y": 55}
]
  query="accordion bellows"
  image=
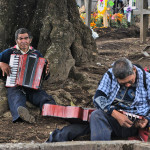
[{"x": 26, "y": 70}]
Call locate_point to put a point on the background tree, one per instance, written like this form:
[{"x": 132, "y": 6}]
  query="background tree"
[{"x": 58, "y": 32}]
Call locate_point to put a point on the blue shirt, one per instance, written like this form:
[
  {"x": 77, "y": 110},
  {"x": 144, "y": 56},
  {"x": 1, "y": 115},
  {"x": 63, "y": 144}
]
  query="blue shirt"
[{"x": 108, "y": 90}]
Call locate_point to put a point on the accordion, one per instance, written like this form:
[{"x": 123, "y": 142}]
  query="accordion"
[
  {"x": 26, "y": 70},
  {"x": 131, "y": 116},
  {"x": 67, "y": 112}
]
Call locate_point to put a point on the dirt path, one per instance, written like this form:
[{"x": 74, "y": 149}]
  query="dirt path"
[{"x": 111, "y": 45}]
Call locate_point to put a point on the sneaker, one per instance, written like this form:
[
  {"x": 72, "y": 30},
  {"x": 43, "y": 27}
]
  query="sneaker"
[{"x": 25, "y": 115}]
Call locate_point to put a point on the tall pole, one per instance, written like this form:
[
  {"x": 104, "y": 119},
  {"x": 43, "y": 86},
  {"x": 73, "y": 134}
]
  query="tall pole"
[
  {"x": 88, "y": 12},
  {"x": 116, "y": 6}
]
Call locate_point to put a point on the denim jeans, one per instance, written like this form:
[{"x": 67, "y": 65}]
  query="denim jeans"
[
  {"x": 17, "y": 96},
  {"x": 104, "y": 127},
  {"x": 69, "y": 133}
]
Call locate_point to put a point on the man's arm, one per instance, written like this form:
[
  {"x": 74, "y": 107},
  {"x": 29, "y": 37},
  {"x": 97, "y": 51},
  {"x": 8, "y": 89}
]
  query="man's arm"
[
  {"x": 122, "y": 119},
  {"x": 4, "y": 61},
  {"x": 101, "y": 96}
]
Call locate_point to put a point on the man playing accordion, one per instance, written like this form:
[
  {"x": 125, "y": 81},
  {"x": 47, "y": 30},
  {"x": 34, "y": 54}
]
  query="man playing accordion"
[{"x": 18, "y": 95}]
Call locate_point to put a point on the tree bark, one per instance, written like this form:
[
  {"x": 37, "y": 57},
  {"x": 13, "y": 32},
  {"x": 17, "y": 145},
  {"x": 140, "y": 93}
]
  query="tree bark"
[{"x": 58, "y": 32}]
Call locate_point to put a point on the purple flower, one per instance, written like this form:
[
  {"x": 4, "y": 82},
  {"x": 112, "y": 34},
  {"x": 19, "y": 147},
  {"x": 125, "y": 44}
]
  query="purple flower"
[{"x": 129, "y": 9}]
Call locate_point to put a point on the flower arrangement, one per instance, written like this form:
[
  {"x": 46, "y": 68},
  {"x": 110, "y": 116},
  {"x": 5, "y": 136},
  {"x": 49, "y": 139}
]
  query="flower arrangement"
[{"x": 116, "y": 20}]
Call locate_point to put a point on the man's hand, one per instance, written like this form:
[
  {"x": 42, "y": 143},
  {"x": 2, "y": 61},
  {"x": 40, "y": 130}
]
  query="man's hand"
[
  {"x": 47, "y": 67},
  {"x": 141, "y": 123},
  {"x": 5, "y": 69},
  {"x": 122, "y": 119}
]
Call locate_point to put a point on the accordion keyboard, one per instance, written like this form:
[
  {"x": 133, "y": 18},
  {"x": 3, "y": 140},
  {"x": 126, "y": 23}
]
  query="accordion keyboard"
[
  {"x": 14, "y": 62},
  {"x": 26, "y": 71}
]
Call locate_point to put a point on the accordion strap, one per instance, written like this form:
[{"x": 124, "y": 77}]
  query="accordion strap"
[{"x": 16, "y": 51}]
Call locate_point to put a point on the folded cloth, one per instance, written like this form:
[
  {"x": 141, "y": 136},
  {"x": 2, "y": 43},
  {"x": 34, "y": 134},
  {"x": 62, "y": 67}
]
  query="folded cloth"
[{"x": 142, "y": 135}]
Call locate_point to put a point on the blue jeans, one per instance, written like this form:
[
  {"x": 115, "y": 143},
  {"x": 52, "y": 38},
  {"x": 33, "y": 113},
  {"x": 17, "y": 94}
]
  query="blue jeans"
[
  {"x": 69, "y": 133},
  {"x": 17, "y": 96},
  {"x": 104, "y": 127}
]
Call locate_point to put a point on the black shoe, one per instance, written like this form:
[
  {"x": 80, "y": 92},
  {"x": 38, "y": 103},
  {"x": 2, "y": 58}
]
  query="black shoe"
[{"x": 25, "y": 115}]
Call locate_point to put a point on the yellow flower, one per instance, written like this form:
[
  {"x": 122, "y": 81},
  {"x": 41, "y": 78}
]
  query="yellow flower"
[
  {"x": 96, "y": 17},
  {"x": 82, "y": 17}
]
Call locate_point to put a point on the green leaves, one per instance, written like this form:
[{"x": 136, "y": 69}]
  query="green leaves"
[{"x": 111, "y": 3}]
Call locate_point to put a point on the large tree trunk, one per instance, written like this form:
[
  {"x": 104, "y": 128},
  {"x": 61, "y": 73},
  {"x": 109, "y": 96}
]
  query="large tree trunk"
[
  {"x": 58, "y": 33},
  {"x": 57, "y": 29}
]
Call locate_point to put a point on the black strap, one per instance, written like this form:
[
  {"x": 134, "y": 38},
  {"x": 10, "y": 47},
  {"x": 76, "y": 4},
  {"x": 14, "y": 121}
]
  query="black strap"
[
  {"x": 16, "y": 51},
  {"x": 144, "y": 75},
  {"x": 110, "y": 76}
]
